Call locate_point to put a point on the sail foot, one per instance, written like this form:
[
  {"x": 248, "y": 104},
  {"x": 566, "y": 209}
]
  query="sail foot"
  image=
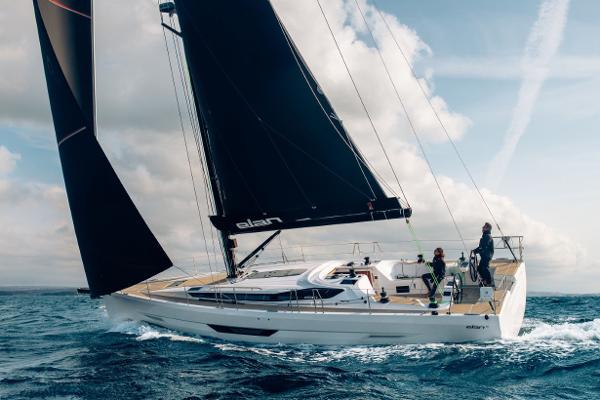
[{"x": 377, "y": 210}]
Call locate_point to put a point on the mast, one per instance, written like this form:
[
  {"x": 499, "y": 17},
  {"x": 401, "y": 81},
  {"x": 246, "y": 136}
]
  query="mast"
[{"x": 228, "y": 244}]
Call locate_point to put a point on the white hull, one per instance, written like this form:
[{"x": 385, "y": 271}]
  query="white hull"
[{"x": 328, "y": 328}]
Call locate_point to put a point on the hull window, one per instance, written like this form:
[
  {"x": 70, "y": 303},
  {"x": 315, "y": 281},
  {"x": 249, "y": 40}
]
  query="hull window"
[{"x": 242, "y": 331}]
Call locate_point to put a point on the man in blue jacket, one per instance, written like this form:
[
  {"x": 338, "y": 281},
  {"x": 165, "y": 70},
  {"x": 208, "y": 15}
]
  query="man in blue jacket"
[{"x": 486, "y": 252}]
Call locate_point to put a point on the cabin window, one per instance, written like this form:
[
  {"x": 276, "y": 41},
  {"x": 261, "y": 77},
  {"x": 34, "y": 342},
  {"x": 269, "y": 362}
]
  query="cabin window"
[
  {"x": 402, "y": 289},
  {"x": 302, "y": 294}
]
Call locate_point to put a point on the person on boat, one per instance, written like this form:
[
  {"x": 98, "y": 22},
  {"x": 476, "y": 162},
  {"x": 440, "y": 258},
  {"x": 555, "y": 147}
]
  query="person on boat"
[
  {"x": 486, "y": 252},
  {"x": 438, "y": 271}
]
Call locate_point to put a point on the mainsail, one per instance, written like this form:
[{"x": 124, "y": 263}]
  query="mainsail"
[
  {"x": 277, "y": 153},
  {"x": 117, "y": 247}
]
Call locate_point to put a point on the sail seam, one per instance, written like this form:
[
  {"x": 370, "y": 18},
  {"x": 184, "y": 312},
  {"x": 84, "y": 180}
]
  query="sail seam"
[
  {"x": 70, "y": 135},
  {"x": 65, "y": 7}
]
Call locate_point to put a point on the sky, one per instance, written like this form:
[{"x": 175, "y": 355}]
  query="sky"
[{"x": 515, "y": 84}]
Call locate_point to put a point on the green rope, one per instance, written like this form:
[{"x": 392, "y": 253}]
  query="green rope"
[{"x": 420, "y": 249}]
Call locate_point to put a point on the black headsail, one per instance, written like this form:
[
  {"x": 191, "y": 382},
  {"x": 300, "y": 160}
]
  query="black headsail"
[
  {"x": 117, "y": 247},
  {"x": 278, "y": 155}
]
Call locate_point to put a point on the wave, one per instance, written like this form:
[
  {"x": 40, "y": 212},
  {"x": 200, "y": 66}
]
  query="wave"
[
  {"x": 558, "y": 340},
  {"x": 144, "y": 332},
  {"x": 323, "y": 354},
  {"x": 581, "y": 332},
  {"x": 553, "y": 339}
]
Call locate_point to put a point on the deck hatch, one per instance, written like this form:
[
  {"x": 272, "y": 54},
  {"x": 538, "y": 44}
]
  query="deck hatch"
[{"x": 276, "y": 273}]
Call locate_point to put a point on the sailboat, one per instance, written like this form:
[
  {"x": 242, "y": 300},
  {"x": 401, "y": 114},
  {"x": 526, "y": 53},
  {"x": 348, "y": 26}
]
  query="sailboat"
[{"x": 277, "y": 157}]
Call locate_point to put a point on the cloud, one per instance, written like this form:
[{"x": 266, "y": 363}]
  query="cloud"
[
  {"x": 140, "y": 134},
  {"x": 542, "y": 44},
  {"x": 37, "y": 243},
  {"x": 8, "y": 160},
  {"x": 367, "y": 69},
  {"x": 132, "y": 74}
]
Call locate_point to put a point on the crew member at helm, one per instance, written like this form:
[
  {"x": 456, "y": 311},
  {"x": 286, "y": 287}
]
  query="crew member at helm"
[
  {"x": 434, "y": 278},
  {"x": 486, "y": 251}
]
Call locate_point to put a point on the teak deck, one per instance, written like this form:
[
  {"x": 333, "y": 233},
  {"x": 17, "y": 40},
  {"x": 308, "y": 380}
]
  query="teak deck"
[{"x": 502, "y": 272}]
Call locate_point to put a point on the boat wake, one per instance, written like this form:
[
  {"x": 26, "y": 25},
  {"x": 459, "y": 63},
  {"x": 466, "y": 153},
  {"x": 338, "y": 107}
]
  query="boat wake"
[
  {"x": 557, "y": 340},
  {"x": 143, "y": 332},
  {"x": 570, "y": 332}
]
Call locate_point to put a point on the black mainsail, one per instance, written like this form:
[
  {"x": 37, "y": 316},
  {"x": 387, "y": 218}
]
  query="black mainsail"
[
  {"x": 117, "y": 247},
  {"x": 278, "y": 155}
]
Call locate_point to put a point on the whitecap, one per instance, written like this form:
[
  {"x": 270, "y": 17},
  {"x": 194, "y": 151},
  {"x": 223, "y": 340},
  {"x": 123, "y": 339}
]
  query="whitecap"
[
  {"x": 321, "y": 354},
  {"x": 568, "y": 332},
  {"x": 145, "y": 332}
]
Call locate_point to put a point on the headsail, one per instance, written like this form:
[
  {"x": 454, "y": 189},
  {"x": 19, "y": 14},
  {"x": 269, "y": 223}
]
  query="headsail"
[
  {"x": 117, "y": 247},
  {"x": 278, "y": 155}
]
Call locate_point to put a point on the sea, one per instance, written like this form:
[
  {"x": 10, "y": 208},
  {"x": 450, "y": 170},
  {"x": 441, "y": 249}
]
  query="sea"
[{"x": 55, "y": 344}]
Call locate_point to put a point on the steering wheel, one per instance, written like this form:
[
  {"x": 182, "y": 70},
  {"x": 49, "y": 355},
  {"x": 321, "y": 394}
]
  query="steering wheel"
[{"x": 473, "y": 263}]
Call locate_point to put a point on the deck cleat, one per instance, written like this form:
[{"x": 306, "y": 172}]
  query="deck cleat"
[{"x": 384, "y": 296}]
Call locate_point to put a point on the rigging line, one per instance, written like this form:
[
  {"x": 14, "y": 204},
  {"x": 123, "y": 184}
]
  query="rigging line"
[
  {"x": 389, "y": 29},
  {"x": 362, "y": 102},
  {"x": 182, "y": 270},
  {"x": 185, "y": 143},
  {"x": 196, "y": 134},
  {"x": 207, "y": 197},
  {"x": 194, "y": 119},
  {"x": 347, "y": 141},
  {"x": 195, "y": 124},
  {"x": 413, "y": 233},
  {"x": 412, "y": 127},
  {"x": 195, "y": 127}
]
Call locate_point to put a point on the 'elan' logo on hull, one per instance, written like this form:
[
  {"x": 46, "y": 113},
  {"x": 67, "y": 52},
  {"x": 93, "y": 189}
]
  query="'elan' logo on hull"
[
  {"x": 258, "y": 223},
  {"x": 477, "y": 327}
]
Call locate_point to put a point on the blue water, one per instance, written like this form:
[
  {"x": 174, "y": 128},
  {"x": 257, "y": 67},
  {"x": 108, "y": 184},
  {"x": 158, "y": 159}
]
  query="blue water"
[{"x": 57, "y": 345}]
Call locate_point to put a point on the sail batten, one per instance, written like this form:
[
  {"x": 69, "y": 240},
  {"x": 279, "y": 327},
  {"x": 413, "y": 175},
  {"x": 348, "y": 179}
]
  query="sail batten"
[
  {"x": 280, "y": 158},
  {"x": 117, "y": 247}
]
